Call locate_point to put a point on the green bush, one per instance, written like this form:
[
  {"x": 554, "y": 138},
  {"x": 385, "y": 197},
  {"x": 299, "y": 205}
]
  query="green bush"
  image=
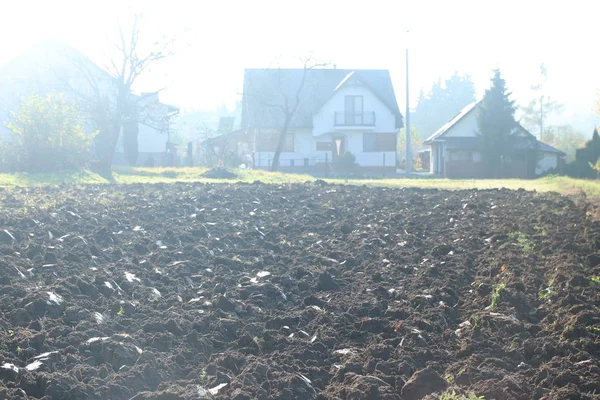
[
  {"x": 345, "y": 162},
  {"x": 48, "y": 135},
  {"x": 585, "y": 159},
  {"x": 7, "y": 156}
]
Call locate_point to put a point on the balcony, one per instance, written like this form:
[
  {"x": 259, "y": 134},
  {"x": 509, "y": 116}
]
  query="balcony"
[{"x": 344, "y": 119}]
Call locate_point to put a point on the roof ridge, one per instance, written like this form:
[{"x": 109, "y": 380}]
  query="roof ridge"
[
  {"x": 453, "y": 121},
  {"x": 324, "y": 82},
  {"x": 343, "y": 81}
]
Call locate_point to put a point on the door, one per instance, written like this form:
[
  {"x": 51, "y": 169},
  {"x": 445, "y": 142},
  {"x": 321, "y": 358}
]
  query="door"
[
  {"x": 338, "y": 147},
  {"x": 354, "y": 110}
]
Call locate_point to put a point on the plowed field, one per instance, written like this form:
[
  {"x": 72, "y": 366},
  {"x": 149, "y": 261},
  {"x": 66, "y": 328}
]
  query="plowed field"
[{"x": 314, "y": 291}]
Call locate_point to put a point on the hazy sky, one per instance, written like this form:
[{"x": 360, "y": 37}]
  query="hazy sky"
[{"x": 217, "y": 39}]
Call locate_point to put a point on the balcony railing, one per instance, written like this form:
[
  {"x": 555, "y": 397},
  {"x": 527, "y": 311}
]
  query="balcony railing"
[{"x": 343, "y": 118}]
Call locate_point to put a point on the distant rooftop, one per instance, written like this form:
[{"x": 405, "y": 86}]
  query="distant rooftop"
[{"x": 263, "y": 88}]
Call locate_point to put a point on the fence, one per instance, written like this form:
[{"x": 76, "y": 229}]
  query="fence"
[{"x": 324, "y": 166}]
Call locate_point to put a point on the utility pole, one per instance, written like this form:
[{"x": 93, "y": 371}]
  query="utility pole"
[{"x": 407, "y": 127}]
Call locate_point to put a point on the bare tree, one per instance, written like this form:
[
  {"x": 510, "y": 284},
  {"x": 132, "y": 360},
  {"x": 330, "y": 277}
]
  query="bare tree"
[
  {"x": 286, "y": 103},
  {"x": 541, "y": 106},
  {"x": 108, "y": 98},
  {"x": 126, "y": 70}
]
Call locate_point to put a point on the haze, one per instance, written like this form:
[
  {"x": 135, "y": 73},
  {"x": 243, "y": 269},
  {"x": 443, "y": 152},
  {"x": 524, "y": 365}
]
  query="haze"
[{"x": 215, "y": 41}]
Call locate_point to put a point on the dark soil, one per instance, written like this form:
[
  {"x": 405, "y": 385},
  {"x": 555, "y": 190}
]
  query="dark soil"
[
  {"x": 190, "y": 291},
  {"x": 219, "y": 173}
]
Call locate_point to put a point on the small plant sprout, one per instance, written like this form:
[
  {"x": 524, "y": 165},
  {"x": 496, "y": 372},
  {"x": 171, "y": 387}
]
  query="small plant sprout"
[
  {"x": 451, "y": 394},
  {"x": 203, "y": 376},
  {"x": 544, "y": 294},
  {"x": 496, "y": 293},
  {"x": 548, "y": 291},
  {"x": 522, "y": 241},
  {"x": 121, "y": 311}
]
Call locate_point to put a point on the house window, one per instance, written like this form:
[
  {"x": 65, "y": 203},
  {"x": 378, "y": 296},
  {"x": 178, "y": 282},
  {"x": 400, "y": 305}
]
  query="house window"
[
  {"x": 323, "y": 146},
  {"x": 461, "y": 155},
  {"x": 379, "y": 142},
  {"x": 268, "y": 142},
  {"x": 353, "y": 112}
]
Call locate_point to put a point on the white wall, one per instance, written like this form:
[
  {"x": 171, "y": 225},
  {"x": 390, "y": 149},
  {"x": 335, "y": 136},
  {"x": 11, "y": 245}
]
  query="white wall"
[
  {"x": 304, "y": 147},
  {"x": 437, "y": 158},
  {"x": 465, "y": 127},
  {"x": 433, "y": 158},
  {"x": 323, "y": 120},
  {"x": 150, "y": 140}
]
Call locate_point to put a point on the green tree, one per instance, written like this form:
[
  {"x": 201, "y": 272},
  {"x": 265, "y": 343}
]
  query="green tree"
[
  {"x": 596, "y": 167},
  {"x": 48, "y": 133},
  {"x": 460, "y": 91},
  {"x": 7, "y": 155},
  {"x": 496, "y": 122},
  {"x": 442, "y": 103},
  {"x": 536, "y": 112},
  {"x": 565, "y": 138},
  {"x": 416, "y": 141},
  {"x": 585, "y": 157}
]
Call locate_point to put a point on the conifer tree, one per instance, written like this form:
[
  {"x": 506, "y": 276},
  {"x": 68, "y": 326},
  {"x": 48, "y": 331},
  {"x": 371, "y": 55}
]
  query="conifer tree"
[{"x": 496, "y": 121}]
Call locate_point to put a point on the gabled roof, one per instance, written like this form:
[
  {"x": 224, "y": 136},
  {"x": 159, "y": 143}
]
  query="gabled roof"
[
  {"x": 52, "y": 65},
  {"x": 463, "y": 113},
  {"x": 546, "y": 148},
  {"x": 48, "y": 60},
  {"x": 519, "y": 141},
  {"x": 346, "y": 79},
  {"x": 265, "y": 89}
]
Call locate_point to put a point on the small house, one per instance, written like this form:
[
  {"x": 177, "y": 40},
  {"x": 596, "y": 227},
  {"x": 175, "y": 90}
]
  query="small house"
[{"x": 455, "y": 150}]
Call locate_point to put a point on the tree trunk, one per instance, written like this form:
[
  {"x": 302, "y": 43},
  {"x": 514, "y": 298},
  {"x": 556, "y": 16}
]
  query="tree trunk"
[
  {"x": 282, "y": 135},
  {"x": 115, "y": 131},
  {"x": 130, "y": 141}
]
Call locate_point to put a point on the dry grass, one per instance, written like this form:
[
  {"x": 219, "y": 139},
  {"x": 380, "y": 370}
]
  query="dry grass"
[{"x": 579, "y": 189}]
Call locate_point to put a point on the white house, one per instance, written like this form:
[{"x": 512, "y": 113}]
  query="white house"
[
  {"x": 338, "y": 111},
  {"x": 456, "y": 150},
  {"x": 52, "y": 66}
]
